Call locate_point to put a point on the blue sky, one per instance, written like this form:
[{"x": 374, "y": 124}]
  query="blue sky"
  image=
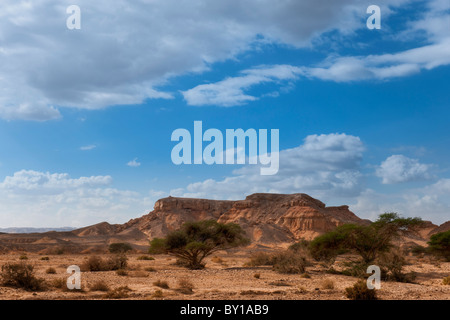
[{"x": 86, "y": 115}]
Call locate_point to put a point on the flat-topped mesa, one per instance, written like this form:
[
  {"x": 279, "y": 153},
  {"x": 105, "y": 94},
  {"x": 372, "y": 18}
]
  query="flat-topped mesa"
[
  {"x": 215, "y": 207},
  {"x": 266, "y": 217}
]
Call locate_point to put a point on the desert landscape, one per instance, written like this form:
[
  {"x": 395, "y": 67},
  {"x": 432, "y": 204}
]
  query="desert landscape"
[{"x": 272, "y": 223}]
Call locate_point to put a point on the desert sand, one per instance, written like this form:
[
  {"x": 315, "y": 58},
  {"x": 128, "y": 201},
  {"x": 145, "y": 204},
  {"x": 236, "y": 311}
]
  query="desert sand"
[{"x": 225, "y": 278}]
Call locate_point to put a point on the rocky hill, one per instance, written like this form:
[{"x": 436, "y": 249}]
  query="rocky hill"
[{"x": 268, "y": 220}]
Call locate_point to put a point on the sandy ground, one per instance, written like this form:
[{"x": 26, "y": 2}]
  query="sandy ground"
[{"x": 225, "y": 277}]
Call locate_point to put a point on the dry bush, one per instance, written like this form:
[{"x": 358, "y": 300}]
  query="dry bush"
[
  {"x": 122, "y": 272},
  {"x": 99, "y": 285},
  {"x": 148, "y": 258},
  {"x": 138, "y": 274},
  {"x": 162, "y": 284},
  {"x": 289, "y": 262},
  {"x": 280, "y": 283},
  {"x": 118, "y": 293},
  {"x": 50, "y": 270},
  {"x": 257, "y": 276},
  {"x": 301, "y": 290},
  {"x": 150, "y": 269},
  {"x": 261, "y": 259},
  {"x": 45, "y": 258},
  {"x": 253, "y": 292},
  {"x": 305, "y": 276},
  {"x": 157, "y": 294},
  {"x": 21, "y": 275},
  {"x": 446, "y": 281},
  {"x": 23, "y": 257},
  {"x": 327, "y": 284},
  {"x": 359, "y": 291},
  {"x": 96, "y": 263},
  {"x": 185, "y": 286},
  {"x": 392, "y": 263}
]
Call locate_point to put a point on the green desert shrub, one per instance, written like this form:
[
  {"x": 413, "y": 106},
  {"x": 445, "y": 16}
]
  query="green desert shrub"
[{"x": 439, "y": 244}]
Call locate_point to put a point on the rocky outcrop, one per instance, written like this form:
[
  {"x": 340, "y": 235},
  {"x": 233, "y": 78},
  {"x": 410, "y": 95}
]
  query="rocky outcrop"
[
  {"x": 442, "y": 228},
  {"x": 266, "y": 218}
]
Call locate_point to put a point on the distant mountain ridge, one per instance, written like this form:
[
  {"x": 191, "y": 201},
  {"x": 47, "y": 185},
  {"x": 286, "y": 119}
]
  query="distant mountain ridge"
[{"x": 33, "y": 230}]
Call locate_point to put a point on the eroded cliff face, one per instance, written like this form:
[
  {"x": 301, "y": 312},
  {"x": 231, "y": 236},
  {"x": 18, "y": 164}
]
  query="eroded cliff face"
[{"x": 266, "y": 218}]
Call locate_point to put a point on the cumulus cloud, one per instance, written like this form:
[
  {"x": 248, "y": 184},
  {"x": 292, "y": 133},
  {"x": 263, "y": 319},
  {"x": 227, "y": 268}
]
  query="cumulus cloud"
[
  {"x": 133, "y": 163},
  {"x": 324, "y": 165},
  {"x": 230, "y": 92},
  {"x": 33, "y": 198},
  {"x": 126, "y": 50},
  {"x": 398, "y": 169},
  {"x": 430, "y": 203}
]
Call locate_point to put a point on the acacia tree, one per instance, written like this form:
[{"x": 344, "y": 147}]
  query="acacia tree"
[
  {"x": 439, "y": 244},
  {"x": 368, "y": 241},
  {"x": 196, "y": 240}
]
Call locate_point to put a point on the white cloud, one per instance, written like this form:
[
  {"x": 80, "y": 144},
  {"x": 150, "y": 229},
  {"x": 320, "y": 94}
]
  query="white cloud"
[
  {"x": 398, "y": 168},
  {"x": 33, "y": 198},
  {"x": 230, "y": 92},
  {"x": 430, "y": 203},
  {"x": 133, "y": 163},
  {"x": 324, "y": 166},
  {"x": 89, "y": 147},
  {"x": 126, "y": 50}
]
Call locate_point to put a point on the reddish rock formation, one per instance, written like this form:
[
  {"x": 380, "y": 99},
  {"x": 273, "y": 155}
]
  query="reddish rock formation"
[{"x": 266, "y": 218}]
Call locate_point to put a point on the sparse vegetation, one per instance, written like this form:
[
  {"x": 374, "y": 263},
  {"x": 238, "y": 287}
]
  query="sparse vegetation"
[
  {"x": 147, "y": 258},
  {"x": 157, "y": 294},
  {"x": 196, "y": 240},
  {"x": 439, "y": 244},
  {"x": 446, "y": 281},
  {"x": 161, "y": 283},
  {"x": 372, "y": 243},
  {"x": 305, "y": 276},
  {"x": 288, "y": 261},
  {"x": 120, "y": 247},
  {"x": 185, "y": 286},
  {"x": 327, "y": 284},
  {"x": 21, "y": 275},
  {"x": 96, "y": 263},
  {"x": 280, "y": 283},
  {"x": 99, "y": 285},
  {"x": 121, "y": 272},
  {"x": 150, "y": 269},
  {"x": 359, "y": 291},
  {"x": 45, "y": 258},
  {"x": 50, "y": 270},
  {"x": 23, "y": 257},
  {"x": 118, "y": 293}
]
